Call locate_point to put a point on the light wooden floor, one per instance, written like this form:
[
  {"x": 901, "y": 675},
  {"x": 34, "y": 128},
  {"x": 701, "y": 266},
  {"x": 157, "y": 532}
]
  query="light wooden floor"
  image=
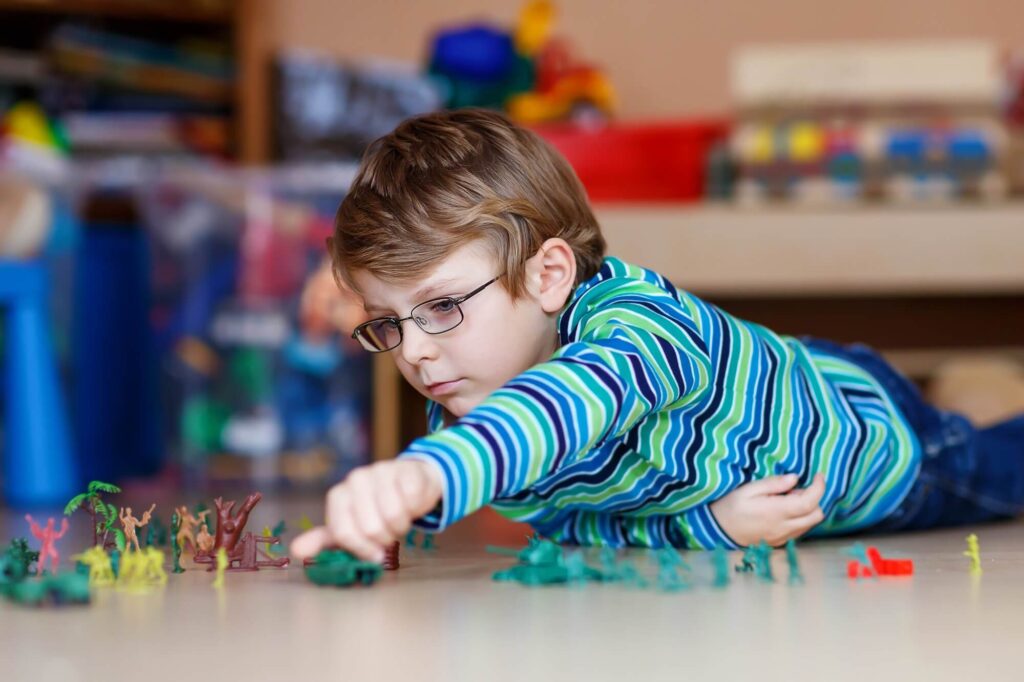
[{"x": 440, "y": 617}]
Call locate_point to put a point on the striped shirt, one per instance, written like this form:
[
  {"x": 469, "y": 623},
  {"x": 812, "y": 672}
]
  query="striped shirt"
[{"x": 656, "y": 404}]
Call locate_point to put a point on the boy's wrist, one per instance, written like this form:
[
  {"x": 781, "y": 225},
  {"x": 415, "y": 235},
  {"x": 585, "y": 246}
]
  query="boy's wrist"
[{"x": 433, "y": 476}]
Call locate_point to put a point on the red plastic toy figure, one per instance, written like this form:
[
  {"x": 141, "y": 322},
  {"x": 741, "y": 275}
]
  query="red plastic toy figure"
[
  {"x": 885, "y": 566},
  {"x": 47, "y": 538},
  {"x": 879, "y": 566}
]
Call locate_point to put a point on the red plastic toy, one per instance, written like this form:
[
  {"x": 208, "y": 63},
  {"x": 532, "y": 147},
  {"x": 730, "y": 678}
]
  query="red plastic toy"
[
  {"x": 879, "y": 566},
  {"x": 884, "y": 566},
  {"x": 48, "y": 541}
]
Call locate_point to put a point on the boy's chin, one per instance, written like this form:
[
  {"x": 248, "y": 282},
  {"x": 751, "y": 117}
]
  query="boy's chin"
[{"x": 458, "y": 406}]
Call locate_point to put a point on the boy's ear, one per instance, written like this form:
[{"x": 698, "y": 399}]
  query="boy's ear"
[{"x": 553, "y": 274}]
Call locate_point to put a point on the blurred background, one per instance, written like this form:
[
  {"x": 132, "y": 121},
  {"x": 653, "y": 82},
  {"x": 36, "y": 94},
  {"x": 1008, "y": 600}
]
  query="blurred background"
[{"x": 169, "y": 171}]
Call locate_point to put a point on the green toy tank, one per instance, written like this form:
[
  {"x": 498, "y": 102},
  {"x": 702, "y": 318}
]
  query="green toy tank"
[{"x": 339, "y": 568}]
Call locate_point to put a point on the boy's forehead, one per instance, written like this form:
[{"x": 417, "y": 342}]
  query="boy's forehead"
[{"x": 460, "y": 268}]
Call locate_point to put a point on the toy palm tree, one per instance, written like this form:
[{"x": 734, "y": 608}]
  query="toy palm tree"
[{"x": 103, "y": 514}]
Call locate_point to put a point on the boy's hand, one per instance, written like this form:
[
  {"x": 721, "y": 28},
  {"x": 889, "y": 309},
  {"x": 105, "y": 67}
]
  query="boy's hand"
[
  {"x": 767, "y": 510},
  {"x": 374, "y": 506}
]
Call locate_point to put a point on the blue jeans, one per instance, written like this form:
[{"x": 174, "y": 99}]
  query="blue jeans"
[{"x": 968, "y": 475}]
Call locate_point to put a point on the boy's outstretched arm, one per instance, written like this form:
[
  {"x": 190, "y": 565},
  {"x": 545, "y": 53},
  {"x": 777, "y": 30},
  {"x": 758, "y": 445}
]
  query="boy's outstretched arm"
[
  {"x": 633, "y": 357},
  {"x": 372, "y": 507},
  {"x": 627, "y": 364},
  {"x": 770, "y": 510}
]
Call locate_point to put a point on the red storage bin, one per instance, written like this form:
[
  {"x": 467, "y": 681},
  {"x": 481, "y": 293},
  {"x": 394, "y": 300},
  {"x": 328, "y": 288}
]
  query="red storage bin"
[{"x": 639, "y": 161}]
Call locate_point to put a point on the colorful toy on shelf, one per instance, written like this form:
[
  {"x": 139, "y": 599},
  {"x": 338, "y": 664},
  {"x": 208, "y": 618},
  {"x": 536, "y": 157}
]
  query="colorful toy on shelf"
[
  {"x": 27, "y": 123},
  {"x": 974, "y": 554},
  {"x": 103, "y": 514},
  {"x": 535, "y": 77},
  {"x": 242, "y": 548},
  {"x": 47, "y": 537},
  {"x": 890, "y": 128},
  {"x": 338, "y": 568}
]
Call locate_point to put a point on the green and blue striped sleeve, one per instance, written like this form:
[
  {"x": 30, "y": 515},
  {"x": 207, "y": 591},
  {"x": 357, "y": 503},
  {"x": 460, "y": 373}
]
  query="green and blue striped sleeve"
[{"x": 636, "y": 353}]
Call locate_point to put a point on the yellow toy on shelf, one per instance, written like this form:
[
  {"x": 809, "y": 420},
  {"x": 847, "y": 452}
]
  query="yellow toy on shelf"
[{"x": 534, "y": 27}]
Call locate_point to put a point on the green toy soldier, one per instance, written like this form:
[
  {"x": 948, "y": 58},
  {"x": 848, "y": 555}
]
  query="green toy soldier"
[{"x": 175, "y": 547}]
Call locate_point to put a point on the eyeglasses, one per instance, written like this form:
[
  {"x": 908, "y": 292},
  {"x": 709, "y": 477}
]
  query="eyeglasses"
[{"x": 436, "y": 316}]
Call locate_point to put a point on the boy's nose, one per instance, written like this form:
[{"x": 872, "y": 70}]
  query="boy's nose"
[{"x": 417, "y": 345}]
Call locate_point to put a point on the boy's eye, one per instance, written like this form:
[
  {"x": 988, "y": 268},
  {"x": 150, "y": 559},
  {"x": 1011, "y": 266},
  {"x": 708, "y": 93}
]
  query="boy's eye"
[{"x": 443, "y": 305}]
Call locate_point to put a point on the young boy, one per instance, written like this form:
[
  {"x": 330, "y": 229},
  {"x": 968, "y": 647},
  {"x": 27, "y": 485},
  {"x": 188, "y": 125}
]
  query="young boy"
[{"x": 595, "y": 401}]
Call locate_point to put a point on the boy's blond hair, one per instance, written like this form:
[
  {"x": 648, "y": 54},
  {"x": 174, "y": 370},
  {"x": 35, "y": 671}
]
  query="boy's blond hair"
[{"x": 446, "y": 179}]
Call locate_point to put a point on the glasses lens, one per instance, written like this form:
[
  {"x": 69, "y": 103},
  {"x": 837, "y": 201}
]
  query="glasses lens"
[
  {"x": 438, "y": 315},
  {"x": 379, "y": 335}
]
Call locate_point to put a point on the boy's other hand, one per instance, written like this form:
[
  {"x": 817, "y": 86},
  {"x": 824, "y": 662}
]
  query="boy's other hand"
[
  {"x": 374, "y": 506},
  {"x": 770, "y": 510}
]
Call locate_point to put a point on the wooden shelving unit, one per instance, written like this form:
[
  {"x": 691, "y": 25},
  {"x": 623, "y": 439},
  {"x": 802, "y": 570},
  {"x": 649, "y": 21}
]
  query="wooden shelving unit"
[
  {"x": 126, "y": 9},
  {"x": 240, "y": 21},
  {"x": 723, "y": 251}
]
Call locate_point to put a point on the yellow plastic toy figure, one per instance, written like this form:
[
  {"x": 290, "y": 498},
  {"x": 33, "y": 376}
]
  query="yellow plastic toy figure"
[
  {"x": 222, "y": 565},
  {"x": 153, "y": 567},
  {"x": 98, "y": 561},
  {"x": 534, "y": 28},
  {"x": 129, "y": 572},
  {"x": 141, "y": 570},
  {"x": 974, "y": 554}
]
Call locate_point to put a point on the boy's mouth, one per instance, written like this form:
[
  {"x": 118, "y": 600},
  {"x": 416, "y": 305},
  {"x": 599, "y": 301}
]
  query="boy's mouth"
[{"x": 443, "y": 387}]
